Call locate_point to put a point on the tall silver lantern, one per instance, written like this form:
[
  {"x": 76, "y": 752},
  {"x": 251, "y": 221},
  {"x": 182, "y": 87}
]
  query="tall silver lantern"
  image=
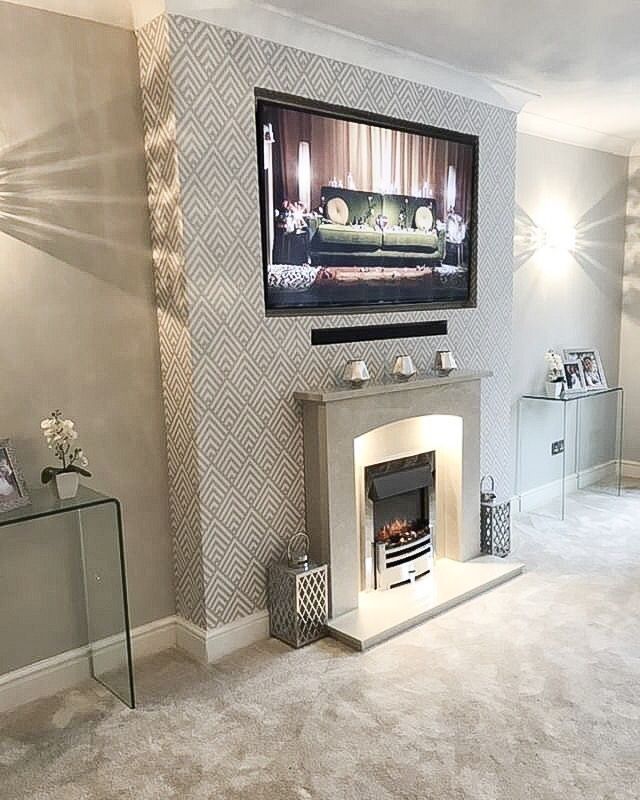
[
  {"x": 495, "y": 520},
  {"x": 297, "y": 595}
]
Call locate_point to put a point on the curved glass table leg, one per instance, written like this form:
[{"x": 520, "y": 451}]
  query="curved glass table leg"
[
  {"x": 106, "y": 598},
  {"x": 620, "y": 440}
]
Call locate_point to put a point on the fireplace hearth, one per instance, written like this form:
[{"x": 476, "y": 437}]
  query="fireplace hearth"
[{"x": 399, "y": 520}]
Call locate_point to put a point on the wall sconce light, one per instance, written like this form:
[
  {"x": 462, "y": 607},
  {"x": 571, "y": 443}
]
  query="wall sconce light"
[{"x": 556, "y": 236}]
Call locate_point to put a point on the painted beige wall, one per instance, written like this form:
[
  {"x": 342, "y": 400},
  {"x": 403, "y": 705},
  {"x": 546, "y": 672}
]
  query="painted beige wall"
[
  {"x": 113, "y": 12},
  {"x": 562, "y": 298},
  {"x": 630, "y": 343},
  {"x": 130, "y": 14},
  {"x": 78, "y": 313}
]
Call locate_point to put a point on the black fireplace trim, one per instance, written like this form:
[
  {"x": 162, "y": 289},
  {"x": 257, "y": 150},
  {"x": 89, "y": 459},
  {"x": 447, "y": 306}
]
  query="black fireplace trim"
[
  {"x": 400, "y": 481},
  {"x": 371, "y": 333}
]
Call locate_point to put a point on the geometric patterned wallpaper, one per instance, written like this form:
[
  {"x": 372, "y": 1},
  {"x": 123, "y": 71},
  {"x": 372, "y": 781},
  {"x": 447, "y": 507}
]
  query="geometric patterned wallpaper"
[
  {"x": 167, "y": 240},
  {"x": 235, "y": 370}
]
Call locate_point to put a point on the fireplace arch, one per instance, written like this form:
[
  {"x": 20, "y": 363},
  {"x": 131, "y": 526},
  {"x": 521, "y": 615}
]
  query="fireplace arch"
[{"x": 439, "y": 434}]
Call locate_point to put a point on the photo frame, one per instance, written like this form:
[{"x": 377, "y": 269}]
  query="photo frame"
[
  {"x": 591, "y": 364},
  {"x": 13, "y": 488},
  {"x": 574, "y": 378}
]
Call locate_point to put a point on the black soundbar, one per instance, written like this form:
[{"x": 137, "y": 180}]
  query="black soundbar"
[{"x": 371, "y": 333}]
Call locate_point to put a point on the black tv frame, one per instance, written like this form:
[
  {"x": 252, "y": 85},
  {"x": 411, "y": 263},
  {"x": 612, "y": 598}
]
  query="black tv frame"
[{"x": 355, "y": 115}]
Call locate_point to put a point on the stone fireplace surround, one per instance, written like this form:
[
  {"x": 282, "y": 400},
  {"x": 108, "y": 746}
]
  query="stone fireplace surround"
[{"x": 346, "y": 430}]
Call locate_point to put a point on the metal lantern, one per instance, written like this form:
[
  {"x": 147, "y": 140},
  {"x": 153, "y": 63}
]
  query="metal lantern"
[
  {"x": 356, "y": 373},
  {"x": 297, "y": 591},
  {"x": 495, "y": 521},
  {"x": 403, "y": 368},
  {"x": 444, "y": 362}
]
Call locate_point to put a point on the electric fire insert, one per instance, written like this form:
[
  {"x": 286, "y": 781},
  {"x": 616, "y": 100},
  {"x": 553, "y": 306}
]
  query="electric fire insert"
[{"x": 400, "y": 500}]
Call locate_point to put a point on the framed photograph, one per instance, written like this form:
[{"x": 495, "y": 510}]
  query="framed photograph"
[
  {"x": 574, "y": 378},
  {"x": 13, "y": 489},
  {"x": 591, "y": 365}
]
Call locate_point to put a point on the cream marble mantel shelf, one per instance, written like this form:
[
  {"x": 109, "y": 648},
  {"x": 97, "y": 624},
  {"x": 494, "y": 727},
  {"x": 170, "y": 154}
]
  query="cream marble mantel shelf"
[{"x": 337, "y": 393}]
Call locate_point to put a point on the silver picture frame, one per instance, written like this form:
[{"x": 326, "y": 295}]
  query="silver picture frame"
[
  {"x": 574, "y": 381},
  {"x": 594, "y": 376},
  {"x": 13, "y": 487}
]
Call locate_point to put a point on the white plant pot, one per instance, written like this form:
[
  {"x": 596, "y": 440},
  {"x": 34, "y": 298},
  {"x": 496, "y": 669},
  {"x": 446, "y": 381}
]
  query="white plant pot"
[
  {"x": 554, "y": 388},
  {"x": 67, "y": 485}
]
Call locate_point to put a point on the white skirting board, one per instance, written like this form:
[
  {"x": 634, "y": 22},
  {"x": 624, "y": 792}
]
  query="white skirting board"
[
  {"x": 67, "y": 669},
  {"x": 631, "y": 469},
  {"x": 541, "y": 495},
  {"x": 72, "y": 667},
  {"x": 209, "y": 646}
]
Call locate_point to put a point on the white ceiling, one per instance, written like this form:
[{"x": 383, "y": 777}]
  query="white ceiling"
[
  {"x": 582, "y": 57},
  {"x": 578, "y": 59}
]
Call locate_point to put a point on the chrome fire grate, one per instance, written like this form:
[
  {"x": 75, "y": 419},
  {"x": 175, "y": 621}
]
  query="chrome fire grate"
[{"x": 402, "y": 563}]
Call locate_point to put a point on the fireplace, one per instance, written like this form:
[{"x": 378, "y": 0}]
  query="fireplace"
[
  {"x": 399, "y": 520},
  {"x": 400, "y": 460}
]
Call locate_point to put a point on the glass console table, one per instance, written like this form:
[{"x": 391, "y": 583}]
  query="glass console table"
[
  {"x": 568, "y": 443},
  {"x": 99, "y": 522}
]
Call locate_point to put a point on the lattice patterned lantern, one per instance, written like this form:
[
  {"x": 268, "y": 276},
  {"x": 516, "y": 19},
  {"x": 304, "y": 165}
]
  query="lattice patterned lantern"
[
  {"x": 495, "y": 521},
  {"x": 297, "y": 592}
]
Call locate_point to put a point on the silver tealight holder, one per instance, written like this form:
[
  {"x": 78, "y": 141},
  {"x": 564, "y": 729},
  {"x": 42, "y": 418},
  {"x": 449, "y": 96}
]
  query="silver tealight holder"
[
  {"x": 444, "y": 362},
  {"x": 403, "y": 368},
  {"x": 356, "y": 373}
]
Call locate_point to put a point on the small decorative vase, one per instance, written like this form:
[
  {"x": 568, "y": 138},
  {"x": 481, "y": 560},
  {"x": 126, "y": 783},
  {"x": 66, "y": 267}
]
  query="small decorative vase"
[
  {"x": 356, "y": 373},
  {"x": 67, "y": 485},
  {"x": 403, "y": 368},
  {"x": 554, "y": 388}
]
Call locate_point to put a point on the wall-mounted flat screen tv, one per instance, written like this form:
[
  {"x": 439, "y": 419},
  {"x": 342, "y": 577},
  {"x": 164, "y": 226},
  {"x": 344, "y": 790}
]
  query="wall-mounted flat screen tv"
[{"x": 363, "y": 212}]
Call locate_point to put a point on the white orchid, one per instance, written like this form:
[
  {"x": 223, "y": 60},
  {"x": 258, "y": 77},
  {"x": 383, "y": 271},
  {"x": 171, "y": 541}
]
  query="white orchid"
[
  {"x": 555, "y": 366},
  {"x": 60, "y": 434}
]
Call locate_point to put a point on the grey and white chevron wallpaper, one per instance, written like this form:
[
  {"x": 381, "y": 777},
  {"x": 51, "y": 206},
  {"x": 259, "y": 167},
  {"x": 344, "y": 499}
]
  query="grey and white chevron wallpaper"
[
  {"x": 173, "y": 318},
  {"x": 232, "y": 370}
]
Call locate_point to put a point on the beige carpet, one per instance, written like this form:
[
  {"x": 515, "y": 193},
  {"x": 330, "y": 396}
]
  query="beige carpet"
[{"x": 530, "y": 691}]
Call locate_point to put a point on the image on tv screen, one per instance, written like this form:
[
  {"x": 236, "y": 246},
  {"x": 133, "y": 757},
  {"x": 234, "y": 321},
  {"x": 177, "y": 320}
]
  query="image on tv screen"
[{"x": 357, "y": 214}]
